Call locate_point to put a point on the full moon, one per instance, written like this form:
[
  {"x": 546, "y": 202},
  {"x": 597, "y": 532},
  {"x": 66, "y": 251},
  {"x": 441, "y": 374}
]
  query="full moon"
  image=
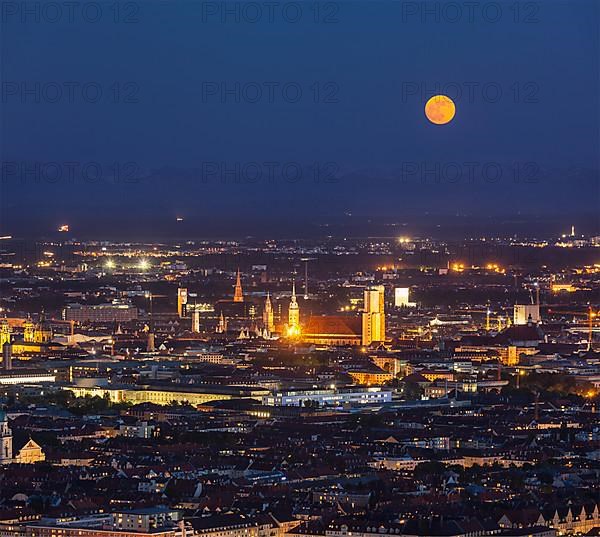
[{"x": 440, "y": 109}]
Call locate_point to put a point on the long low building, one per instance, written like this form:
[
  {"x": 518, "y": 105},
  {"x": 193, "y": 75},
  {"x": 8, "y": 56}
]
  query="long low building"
[
  {"x": 98, "y": 313},
  {"x": 26, "y": 376},
  {"x": 165, "y": 395},
  {"x": 359, "y": 396}
]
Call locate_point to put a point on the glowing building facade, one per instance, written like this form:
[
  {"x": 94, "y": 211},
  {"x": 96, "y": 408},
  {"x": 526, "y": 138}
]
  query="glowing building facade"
[
  {"x": 182, "y": 297},
  {"x": 238, "y": 295},
  {"x": 267, "y": 316},
  {"x": 402, "y": 298},
  {"x": 524, "y": 313},
  {"x": 195, "y": 321},
  {"x": 5, "y": 440},
  {"x": 4, "y": 333},
  {"x": 293, "y": 314},
  {"x": 373, "y": 315}
]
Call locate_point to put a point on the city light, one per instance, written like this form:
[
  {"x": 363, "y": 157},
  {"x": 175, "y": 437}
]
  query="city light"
[{"x": 334, "y": 269}]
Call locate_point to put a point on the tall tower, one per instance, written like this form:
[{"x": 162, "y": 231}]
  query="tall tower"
[
  {"x": 195, "y": 321},
  {"x": 182, "y": 297},
  {"x": 150, "y": 346},
  {"x": 222, "y": 327},
  {"x": 238, "y": 295},
  {"x": 4, "y": 333},
  {"x": 7, "y": 356},
  {"x": 42, "y": 332},
  {"x": 6, "y": 453},
  {"x": 268, "y": 317},
  {"x": 373, "y": 316},
  {"x": 293, "y": 314}
]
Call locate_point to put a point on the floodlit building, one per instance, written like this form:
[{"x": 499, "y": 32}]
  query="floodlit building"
[
  {"x": 268, "y": 316},
  {"x": 359, "y": 396},
  {"x": 182, "y": 298},
  {"x": 30, "y": 453},
  {"x": 402, "y": 298},
  {"x": 293, "y": 314},
  {"x": 238, "y": 295},
  {"x": 373, "y": 315},
  {"x": 333, "y": 330},
  {"x": 524, "y": 313},
  {"x": 195, "y": 321},
  {"x": 5, "y": 440},
  {"x": 5, "y": 333}
]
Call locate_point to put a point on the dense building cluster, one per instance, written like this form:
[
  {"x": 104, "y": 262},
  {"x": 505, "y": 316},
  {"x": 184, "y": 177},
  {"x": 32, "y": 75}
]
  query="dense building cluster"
[{"x": 346, "y": 388}]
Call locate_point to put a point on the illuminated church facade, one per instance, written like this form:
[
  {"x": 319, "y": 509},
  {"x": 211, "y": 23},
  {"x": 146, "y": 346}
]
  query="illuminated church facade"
[
  {"x": 342, "y": 330},
  {"x": 30, "y": 453}
]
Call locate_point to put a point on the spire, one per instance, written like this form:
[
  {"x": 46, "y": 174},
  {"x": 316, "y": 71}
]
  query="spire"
[
  {"x": 293, "y": 313},
  {"x": 222, "y": 328},
  {"x": 268, "y": 318},
  {"x": 238, "y": 295}
]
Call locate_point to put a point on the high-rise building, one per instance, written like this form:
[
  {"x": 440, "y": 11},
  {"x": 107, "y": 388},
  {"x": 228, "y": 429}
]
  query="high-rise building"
[
  {"x": 524, "y": 313},
  {"x": 238, "y": 295},
  {"x": 293, "y": 314},
  {"x": 268, "y": 317},
  {"x": 401, "y": 296},
  {"x": 6, "y": 447},
  {"x": 373, "y": 315},
  {"x": 182, "y": 297}
]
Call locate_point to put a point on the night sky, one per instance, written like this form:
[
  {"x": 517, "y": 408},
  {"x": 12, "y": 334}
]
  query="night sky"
[{"x": 243, "y": 121}]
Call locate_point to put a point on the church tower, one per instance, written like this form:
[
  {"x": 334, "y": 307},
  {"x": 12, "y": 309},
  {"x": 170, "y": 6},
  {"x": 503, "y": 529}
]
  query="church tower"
[
  {"x": 222, "y": 327},
  {"x": 268, "y": 317},
  {"x": 4, "y": 333},
  {"x": 42, "y": 331},
  {"x": 294, "y": 314},
  {"x": 6, "y": 439},
  {"x": 29, "y": 331},
  {"x": 238, "y": 295}
]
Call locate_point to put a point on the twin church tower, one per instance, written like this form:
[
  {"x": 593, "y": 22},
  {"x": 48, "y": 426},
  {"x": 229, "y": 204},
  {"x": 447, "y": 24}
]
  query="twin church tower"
[
  {"x": 362, "y": 329},
  {"x": 268, "y": 317}
]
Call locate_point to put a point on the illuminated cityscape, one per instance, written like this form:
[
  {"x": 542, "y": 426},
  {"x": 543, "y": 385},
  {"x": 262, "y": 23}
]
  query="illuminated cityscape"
[
  {"x": 173, "y": 387},
  {"x": 299, "y": 269}
]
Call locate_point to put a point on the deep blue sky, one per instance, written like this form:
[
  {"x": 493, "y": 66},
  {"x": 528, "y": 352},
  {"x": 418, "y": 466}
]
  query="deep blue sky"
[{"x": 544, "y": 59}]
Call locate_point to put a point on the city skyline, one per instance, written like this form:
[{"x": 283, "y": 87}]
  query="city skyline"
[{"x": 300, "y": 268}]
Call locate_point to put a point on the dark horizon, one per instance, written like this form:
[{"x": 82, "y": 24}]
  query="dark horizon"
[{"x": 229, "y": 119}]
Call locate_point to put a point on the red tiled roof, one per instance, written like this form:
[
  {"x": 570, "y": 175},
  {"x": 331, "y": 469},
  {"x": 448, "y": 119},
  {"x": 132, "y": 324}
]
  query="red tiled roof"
[{"x": 334, "y": 324}]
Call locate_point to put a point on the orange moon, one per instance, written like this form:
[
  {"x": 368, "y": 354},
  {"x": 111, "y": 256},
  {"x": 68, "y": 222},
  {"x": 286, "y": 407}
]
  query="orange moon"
[{"x": 440, "y": 109}]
